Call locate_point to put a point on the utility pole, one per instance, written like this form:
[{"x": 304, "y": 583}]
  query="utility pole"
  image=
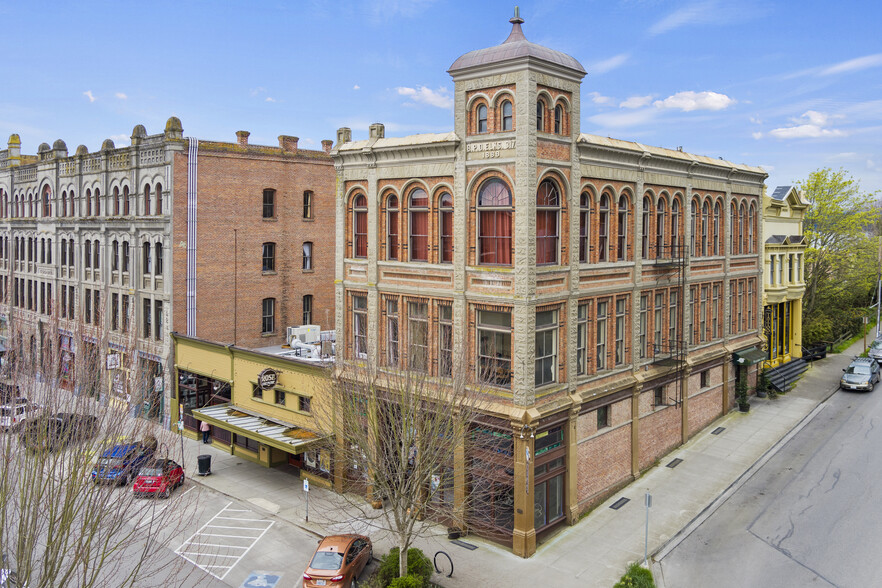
[{"x": 879, "y": 277}]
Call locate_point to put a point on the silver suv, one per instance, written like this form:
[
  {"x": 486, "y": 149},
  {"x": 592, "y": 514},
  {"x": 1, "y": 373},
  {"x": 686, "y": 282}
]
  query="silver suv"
[
  {"x": 861, "y": 374},
  {"x": 875, "y": 350}
]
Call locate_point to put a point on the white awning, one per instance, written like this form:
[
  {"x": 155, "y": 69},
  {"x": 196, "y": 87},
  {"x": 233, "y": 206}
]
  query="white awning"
[{"x": 272, "y": 432}]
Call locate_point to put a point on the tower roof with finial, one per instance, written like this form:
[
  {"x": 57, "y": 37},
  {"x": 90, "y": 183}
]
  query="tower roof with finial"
[{"x": 516, "y": 47}]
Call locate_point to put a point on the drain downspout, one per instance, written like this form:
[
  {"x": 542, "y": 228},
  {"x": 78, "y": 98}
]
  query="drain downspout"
[{"x": 192, "y": 180}]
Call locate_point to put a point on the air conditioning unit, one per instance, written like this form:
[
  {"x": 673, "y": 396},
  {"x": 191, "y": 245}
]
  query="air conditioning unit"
[
  {"x": 304, "y": 334},
  {"x": 290, "y": 332}
]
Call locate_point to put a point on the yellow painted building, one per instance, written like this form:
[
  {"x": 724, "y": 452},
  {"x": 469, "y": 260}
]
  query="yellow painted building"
[
  {"x": 260, "y": 406},
  {"x": 784, "y": 278}
]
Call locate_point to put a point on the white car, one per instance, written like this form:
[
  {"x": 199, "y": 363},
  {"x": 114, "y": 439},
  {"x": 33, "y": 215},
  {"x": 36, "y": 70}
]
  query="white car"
[
  {"x": 875, "y": 350},
  {"x": 16, "y": 411}
]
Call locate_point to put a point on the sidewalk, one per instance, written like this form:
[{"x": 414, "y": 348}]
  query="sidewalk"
[{"x": 597, "y": 550}]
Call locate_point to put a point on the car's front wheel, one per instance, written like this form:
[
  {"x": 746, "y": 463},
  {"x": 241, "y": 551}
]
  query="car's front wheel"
[{"x": 166, "y": 493}]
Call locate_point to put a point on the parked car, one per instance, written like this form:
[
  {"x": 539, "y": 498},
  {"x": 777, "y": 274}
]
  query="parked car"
[
  {"x": 861, "y": 374},
  {"x": 875, "y": 350},
  {"x": 15, "y": 411},
  {"x": 55, "y": 431},
  {"x": 338, "y": 561},
  {"x": 8, "y": 578},
  {"x": 121, "y": 463},
  {"x": 158, "y": 478}
]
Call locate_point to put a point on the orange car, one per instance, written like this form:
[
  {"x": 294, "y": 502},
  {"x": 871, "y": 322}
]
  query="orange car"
[{"x": 338, "y": 561}]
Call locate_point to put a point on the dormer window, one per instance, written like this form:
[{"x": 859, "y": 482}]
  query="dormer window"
[
  {"x": 507, "y": 119},
  {"x": 482, "y": 118}
]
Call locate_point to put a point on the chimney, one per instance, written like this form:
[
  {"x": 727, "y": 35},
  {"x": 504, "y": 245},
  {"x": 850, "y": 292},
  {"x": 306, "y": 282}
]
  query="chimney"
[
  {"x": 288, "y": 143},
  {"x": 326, "y": 145},
  {"x": 14, "y": 154},
  {"x": 344, "y": 135},
  {"x": 242, "y": 138},
  {"x": 378, "y": 131}
]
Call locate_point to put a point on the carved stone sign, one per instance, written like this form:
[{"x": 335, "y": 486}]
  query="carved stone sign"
[
  {"x": 490, "y": 149},
  {"x": 267, "y": 379}
]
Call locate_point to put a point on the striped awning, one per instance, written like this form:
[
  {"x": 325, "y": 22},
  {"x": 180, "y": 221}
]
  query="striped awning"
[{"x": 272, "y": 432}]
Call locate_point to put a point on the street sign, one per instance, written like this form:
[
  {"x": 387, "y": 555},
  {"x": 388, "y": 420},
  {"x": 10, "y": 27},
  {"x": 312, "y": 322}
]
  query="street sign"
[
  {"x": 180, "y": 425},
  {"x": 306, "y": 485}
]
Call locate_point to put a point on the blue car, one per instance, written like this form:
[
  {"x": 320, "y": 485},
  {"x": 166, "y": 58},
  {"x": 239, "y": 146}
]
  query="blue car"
[{"x": 121, "y": 463}]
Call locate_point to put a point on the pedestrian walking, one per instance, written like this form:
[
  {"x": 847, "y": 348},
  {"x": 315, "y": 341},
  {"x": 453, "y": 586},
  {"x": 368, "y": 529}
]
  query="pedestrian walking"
[{"x": 206, "y": 432}]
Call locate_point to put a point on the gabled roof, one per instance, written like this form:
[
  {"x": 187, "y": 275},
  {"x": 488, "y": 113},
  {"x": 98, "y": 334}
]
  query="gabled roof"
[
  {"x": 781, "y": 192},
  {"x": 516, "y": 46}
]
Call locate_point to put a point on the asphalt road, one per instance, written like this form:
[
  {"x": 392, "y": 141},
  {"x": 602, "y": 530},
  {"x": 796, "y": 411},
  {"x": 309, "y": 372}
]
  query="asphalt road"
[{"x": 811, "y": 516}]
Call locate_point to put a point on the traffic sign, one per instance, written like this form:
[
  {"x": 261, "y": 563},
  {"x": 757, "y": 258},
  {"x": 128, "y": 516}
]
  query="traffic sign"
[{"x": 306, "y": 485}]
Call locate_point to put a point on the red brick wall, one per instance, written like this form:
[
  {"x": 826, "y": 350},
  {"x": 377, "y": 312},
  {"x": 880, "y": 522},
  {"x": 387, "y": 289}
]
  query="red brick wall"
[
  {"x": 230, "y": 206},
  {"x": 604, "y": 459},
  {"x": 704, "y": 408},
  {"x": 659, "y": 433}
]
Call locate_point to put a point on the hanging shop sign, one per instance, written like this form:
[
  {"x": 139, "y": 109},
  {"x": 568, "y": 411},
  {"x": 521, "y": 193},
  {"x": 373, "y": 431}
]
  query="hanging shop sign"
[{"x": 267, "y": 379}]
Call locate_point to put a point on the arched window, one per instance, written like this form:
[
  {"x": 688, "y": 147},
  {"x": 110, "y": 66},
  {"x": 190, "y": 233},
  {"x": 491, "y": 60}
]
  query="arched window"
[
  {"x": 126, "y": 203},
  {"x": 705, "y": 221},
  {"x": 623, "y": 209},
  {"x": 96, "y": 255},
  {"x": 147, "y": 266},
  {"x": 495, "y": 214},
  {"x": 147, "y": 200},
  {"x": 647, "y": 215},
  {"x": 445, "y": 229},
  {"x": 97, "y": 202},
  {"x": 307, "y": 204},
  {"x": 584, "y": 226},
  {"x": 392, "y": 227},
  {"x": 49, "y": 251},
  {"x": 158, "y": 192},
  {"x": 481, "y": 125},
  {"x": 718, "y": 234},
  {"x": 359, "y": 226},
  {"x": 507, "y": 120},
  {"x": 660, "y": 229},
  {"x": 73, "y": 203},
  {"x": 603, "y": 229},
  {"x": 742, "y": 229},
  {"x": 63, "y": 202},
  {"x": 115, "y": 201},
  {"x": 307, "y": 255},
  {"x": 47, "y": 194},
  {"x": 418, "y": 211},
  {"x": 751, "y": 230},
  {"x": 87, "y": 253},
  {"x": 547, "y": 212},
  {"x": 694, "y": 225},
  {"x": 114, "y": 261},
  {"x": 88, "y": 202},
  {"x": 125, "y": 255},
  {"x": 540, "y": 115},
  {"x": 157, "y": 248},
  {"x": 558, "y": 119}
]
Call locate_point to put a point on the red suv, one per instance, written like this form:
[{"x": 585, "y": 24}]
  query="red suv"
[
  {"x": 158, "y": 478},
  {"x": 338, "y": 561}
]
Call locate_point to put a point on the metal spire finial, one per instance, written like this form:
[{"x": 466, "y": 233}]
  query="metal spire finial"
[{"x": 517, "y": 17}]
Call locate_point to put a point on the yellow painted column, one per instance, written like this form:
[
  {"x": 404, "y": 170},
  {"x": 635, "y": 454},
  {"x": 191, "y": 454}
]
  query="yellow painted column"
[
  {"x": 796, "y": 317},
  {"x": 459, "y": 482},
  {"x": 572, "y": 476}
]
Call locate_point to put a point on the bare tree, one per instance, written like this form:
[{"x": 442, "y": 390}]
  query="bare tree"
[
  {"x": 59, "y": 526},
  {"x": 401, "y": 437}
]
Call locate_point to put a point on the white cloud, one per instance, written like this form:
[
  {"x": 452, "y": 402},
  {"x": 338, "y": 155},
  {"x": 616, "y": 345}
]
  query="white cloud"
[
  {"x": 623, "y": 119},
  {"x": 853, "y": 65},
  {"x": 610, "y": 64},
  {"x": 121, "y": 96},
  {"x": 598, "y": 98},
  {"x": 698, "y": 13},
  {"x": 385, "y": 10},
  {"x": 356, "y": 87},
  {"x": 270, "y": 99},
  {"x": 258, "y": 90},
  {"x": 688, "y": 101},
  {"x": 636, "y": 101},
  {"x": 88, "y": 94},
  {"x": 757, "y": 135},
  {"x": 808, "y": 126},
  {"x": 756, "y": 120},
  {"x": 439, "y": 98},
  {"x": 120, "y": 140},
  {"x": 871, "y": 164}
]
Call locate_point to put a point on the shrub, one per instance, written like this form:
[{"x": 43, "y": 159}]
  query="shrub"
[
  {"x": 418, "y": 566},
  {"x": 409, "y": 581},
  {"x": 636, "y": 577}
]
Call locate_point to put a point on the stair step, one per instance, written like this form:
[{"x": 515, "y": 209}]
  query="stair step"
[{"x": 784, "y": 377}]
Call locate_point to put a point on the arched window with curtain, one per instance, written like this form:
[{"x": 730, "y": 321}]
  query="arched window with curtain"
[
  {"x": 507, "y": 120},
  {"x": 558, "y": 119},
  {"x": 114, "y": 260},
  {"x": 88, "y": 202},
  {"x": 742, "y": 228},
  {"x": 116, "y": 201},
  {"x": 718, "y": 222},
  {"x": 705, "y": 222},
  {"x": 751, "y": 230},
  {"x": 359, "y": 226},
  {"x": 547, "y": 215},
  {"x": 584, "y": 227},
  {"x": 603, "y": 228},
  {"x": 73, "y": 203},
  {"x": 146, "y": 199},
  {"x": 693, "y": 224},
  {"x": 157, "y": 209},
  {"x": 481, "y": 116},
  {"x": 418, "y": 212},
  {"x": 495, "y": 213},
  {"x": 647, "y": 216},
  {"x": 623, "y": 209},
  {"x": 733, "y": 229},
  {"x": 540, "y": 115},
  {"x": 47, "y": 195},
  {"x": 126, "y": 203},
  {"x": 660, "y": 212},
  {"x": 392, "y": 227},
  {"x": 445, "y": 227}
]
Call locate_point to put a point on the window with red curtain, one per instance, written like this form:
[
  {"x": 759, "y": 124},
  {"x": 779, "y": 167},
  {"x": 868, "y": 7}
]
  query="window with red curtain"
[
  {"x": 116, "y": 202},
  {"x": 733, "y": 229},
  {"x": 584, "y": 226},
  {"x": 751, "y": 230},
  {"x": 660, "y": 229},
  {"x": 705, "y": 222},
  {"x": 603, "y": 229},
  {"x": 418, "y": 210},
  {"x": 445, "y": 203},
  {"x": 495, "y": 223},
  {"x": 647, "y": 214},
  {"x": 742, "y": 232},
  {"x": 359, "y": 226},
  {"x": 718, "y": 234},
  {"x": 392, "y": 227},
  {"x": 547, "y": 212}
]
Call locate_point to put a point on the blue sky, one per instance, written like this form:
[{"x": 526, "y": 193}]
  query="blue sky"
[{"x": 791, "y": 86}]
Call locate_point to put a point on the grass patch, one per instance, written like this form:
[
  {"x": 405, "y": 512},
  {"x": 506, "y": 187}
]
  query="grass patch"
[
  {"x": 636, "y": 577},
  {"x": 871, "y": 336}
]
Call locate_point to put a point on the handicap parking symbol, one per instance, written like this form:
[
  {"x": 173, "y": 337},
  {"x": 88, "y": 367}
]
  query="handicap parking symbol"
[{"x": 262, "y": 580}]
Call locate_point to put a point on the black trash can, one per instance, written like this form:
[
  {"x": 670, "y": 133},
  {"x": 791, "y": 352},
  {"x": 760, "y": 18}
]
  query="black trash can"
[{"x": 204, "y": 465}]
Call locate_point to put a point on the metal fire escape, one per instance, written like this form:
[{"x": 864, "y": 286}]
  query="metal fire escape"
[{"x": 672, "y": 352}]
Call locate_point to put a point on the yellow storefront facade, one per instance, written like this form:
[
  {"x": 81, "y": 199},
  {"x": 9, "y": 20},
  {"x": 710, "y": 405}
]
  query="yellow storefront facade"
[
  {"x": 259, "y": 406},
  {"x": 784, "y": 278}
]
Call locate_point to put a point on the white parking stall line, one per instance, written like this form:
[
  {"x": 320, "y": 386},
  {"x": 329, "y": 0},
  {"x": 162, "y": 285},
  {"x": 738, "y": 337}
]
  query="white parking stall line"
[{"x": 207, "y": 546}]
